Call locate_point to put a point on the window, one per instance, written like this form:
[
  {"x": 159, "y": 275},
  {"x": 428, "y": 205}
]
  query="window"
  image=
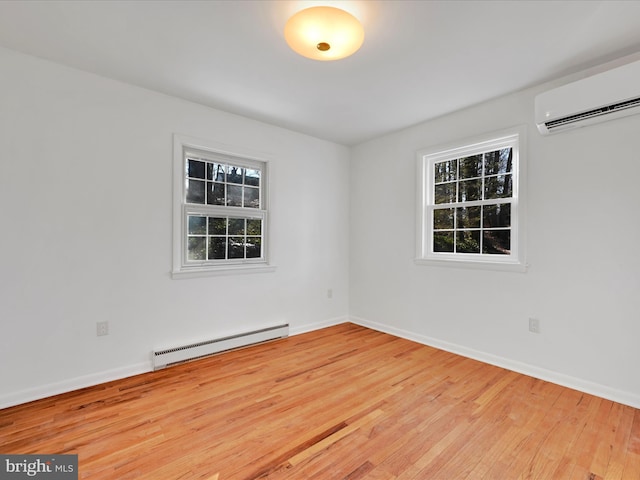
[
  {"x": 471, "y": 203},
  {"x": 220, "y": 210}
]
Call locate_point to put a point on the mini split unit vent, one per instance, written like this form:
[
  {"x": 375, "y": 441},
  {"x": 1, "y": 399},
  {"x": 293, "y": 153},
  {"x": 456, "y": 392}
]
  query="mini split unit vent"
[{"x": 611, "y": 94}]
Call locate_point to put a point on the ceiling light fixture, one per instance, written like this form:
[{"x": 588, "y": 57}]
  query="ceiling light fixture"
[{"x": 324, "y": 33}]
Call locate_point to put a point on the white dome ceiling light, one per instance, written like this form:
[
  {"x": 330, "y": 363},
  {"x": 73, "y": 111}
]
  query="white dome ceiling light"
[{"x": 324, "y": 33}]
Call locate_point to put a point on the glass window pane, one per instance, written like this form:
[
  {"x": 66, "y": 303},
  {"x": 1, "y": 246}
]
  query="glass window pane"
[
  {"x": 236, "y": 226},
  {"x": 236, "y": 247},
  {"x": 468, "y": 241},
  {"x": 470, "y": 167},
  {"x": 234, "y": 174},
  {"x": 254, "y": 247},
  {"x": 251, "y": 197},
  {"x": 443, "y": 218},
  {"x": 498, "y": 187},
  {"x": 468, "y": 217},
  {"x": 215, "y": 193},
  {"x": 496, "y": 215},
  {"x": 195, "y": 169},
  {"x": 197, "y": 225},
  {"x": 496, "y": 242},
  {"x": 498, "y": 161},
  {"x": 234, "y": 195},
  {"x": 470, "y": 190},
  {"x": 252, "y": 177},
  {"x": 443, "y": 241},
  {"x": 217, "y": 248},
  {"x": 196, "y": 249},
  {"x": 215, "y": 172},
  {"x": 254, "y": 226},
  {"x": 445, "y": 171},
  {"x": 195, "y": 191},
  {"x": 217, "y": 226},
  {"x": 445, "y": 193}
]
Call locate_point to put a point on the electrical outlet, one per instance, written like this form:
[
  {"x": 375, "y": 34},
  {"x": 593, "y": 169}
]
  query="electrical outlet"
[
  {"x": 102, "y": 328},
  {"x": 534, "y": 325}
]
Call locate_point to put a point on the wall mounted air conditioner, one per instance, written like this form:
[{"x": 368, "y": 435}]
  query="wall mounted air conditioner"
[{"x": 611, "y": 94}]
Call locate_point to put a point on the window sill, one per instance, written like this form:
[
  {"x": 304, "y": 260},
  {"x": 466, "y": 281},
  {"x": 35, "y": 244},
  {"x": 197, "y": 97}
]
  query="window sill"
[
  {"x": 473, "y": 264},
  {"x": 221, "y": 270}
]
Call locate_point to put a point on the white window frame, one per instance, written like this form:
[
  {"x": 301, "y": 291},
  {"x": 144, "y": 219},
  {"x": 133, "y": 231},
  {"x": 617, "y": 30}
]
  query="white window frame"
[
  {"x": 425, "y": 255},
  {"x": 183, "y": 147}
]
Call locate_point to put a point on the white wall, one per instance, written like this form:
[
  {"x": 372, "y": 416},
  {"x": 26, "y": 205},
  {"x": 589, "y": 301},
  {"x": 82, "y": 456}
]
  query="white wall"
[
  {"x": 85, "y": 209},
  {"x": 583, "y": 245}
]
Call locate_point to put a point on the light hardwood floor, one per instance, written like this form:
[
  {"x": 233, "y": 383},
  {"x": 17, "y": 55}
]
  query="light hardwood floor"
[{"x": 344, "y": 402}]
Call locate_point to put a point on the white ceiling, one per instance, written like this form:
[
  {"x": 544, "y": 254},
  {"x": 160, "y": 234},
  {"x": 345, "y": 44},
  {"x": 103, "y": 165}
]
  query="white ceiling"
[{"x": 419, "y": 60}]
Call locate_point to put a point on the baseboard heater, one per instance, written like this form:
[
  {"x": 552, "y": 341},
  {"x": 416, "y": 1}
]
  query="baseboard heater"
[{"x": 172, "y": 356}]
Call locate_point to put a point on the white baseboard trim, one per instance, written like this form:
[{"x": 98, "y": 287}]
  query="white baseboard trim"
[
  {"x": 310, "y": 327},
  {"x": 51, "y": 389},
  {"x": 65, "y": 386},
  {"x": 620, "y": 396}
]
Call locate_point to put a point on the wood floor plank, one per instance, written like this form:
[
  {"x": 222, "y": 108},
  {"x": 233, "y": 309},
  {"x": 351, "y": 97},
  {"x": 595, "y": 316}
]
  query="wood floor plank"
[
  {"x": 632, "y": 467},
  {"x": 620, "y": 421},
  {"x": 341, "y": 403},
  {"x": 634, "y": 440}
]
